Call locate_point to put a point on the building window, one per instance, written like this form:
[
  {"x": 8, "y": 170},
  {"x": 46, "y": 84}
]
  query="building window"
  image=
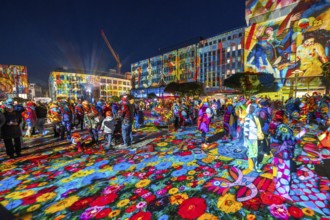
[
  {"x": 228, "y": 49},
  {"x": 239, "y": 47},
  {"x": 233, "y": 48}
]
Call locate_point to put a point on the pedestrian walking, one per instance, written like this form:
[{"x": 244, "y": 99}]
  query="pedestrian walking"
[{"x": 107, "y": 128}]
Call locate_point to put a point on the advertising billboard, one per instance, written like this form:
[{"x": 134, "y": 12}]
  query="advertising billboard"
[
  {"x": 292, "y": 47},
  {"x": 13, "y": 81}
]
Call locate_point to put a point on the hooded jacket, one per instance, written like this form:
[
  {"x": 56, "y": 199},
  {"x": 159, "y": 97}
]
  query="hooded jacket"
[{"x": 108, "y": 125}]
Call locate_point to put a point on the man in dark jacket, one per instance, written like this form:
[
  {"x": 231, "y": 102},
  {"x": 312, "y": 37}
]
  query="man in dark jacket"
[
  {"x": 127, "y": 116},
  {"x": 41, "y": 112},
  {"x": 11, "y": 130}
]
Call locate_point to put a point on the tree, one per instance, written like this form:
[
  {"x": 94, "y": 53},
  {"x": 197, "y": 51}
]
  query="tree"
[
  {"x": 326, "y": 76},
  {"x": 115, "y": 98},
  {"x": 184, "y": 89},
  {"x": 152, "y": 95},
  {"x": 251, "y": 83}
]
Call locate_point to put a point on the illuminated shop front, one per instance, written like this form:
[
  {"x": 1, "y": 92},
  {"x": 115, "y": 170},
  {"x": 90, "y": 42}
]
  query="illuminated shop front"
[
  {"x": 86, "y": 87},
  {"x": 13, "y": 81}
]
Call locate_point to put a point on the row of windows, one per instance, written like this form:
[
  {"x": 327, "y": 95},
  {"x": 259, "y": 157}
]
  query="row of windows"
[
  {"x": 223, "y": 39},
  {"x": 115, "y": 87}
]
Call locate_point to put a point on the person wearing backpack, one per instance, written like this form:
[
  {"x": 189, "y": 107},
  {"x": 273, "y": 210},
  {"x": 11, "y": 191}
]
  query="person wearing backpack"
[{"x": 107, "y": 128}]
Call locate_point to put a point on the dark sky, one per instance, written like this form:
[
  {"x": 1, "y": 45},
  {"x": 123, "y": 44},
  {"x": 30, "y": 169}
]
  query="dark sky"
[{"x": 44, "y": 35}]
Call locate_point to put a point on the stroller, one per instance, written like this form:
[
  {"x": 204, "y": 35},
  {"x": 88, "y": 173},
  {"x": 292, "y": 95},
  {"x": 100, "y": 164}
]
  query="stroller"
[{"x": 117, "y": 136}]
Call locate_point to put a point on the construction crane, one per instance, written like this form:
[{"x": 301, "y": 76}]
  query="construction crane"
[{"x": 116, "y": 56}]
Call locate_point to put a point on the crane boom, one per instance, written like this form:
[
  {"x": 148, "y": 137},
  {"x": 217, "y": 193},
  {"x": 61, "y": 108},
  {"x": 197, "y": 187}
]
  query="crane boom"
[{"x": 112, "y": 51}]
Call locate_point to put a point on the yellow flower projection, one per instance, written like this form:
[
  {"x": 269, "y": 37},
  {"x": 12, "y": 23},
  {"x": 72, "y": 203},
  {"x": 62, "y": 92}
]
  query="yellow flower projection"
[
  {"x": 46, "y": 196},
  {"x": 173, "y": 191},
  {"x": 122, "y": 203},
  {"x": 20, "y": 195},
  {"x": 207, "y": 216},
  {"x": 60, "y": 205},
  {"x": 177, "y": 199},
  {"x": 114, "y": 213},
  {"x": 142, "y": 183},
  {"x": 228, "y": 203},
  {"x": 33, "y": 208}
]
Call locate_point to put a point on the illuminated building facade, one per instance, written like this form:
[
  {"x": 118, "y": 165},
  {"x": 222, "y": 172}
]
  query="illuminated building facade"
[
  {"x": 208, "y": 61},
  {"x": 219, "y": 57},
  {"x": 87, "y": 87},
  {"x": 13, "y": 81},
  {"x": 289, "y": 39}
]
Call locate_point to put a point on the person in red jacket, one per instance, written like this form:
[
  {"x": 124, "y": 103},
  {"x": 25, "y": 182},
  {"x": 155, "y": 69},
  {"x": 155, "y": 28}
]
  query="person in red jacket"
[
  {"x": 127, "y": 115},
  {"x": 30, "y": 118}
]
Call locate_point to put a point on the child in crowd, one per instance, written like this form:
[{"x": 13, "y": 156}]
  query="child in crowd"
[
  {"x": 77, "y": 140},
  {"x": 108, "y": 127}
]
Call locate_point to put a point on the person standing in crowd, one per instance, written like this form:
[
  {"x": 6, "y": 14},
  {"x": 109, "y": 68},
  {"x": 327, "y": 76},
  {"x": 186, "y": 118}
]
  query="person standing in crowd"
[
  {"x": 107, "y": 128},
  {"x": 41, "y": 112},
  {"x": 11, "y": 131},
  {"x": 91, "y": 120},
  {"x": 54, "y": 115},
  {"x": 2, "y": 118},
  {"x": 114, "y": 109},
  {"x": 282, "y": 145},
  {"x": 265, "y": 117},
  {"x": 127, "y": 114},
  {"x": 240, "y": 111},
  {"x": 204, "y": 120},
  {"x": 30, "y": 118},
  {"x": 79, "y": 115},
  {"x": 251, "y": 137},
  {"x": 105, "y": 109},
  {"x": 66, "y": 120},
  {"x": 229, "y": 121}
]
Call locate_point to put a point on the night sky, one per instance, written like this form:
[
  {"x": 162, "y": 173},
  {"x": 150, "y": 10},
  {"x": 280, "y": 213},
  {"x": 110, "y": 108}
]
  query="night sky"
[{"x": 44, "y": 35}]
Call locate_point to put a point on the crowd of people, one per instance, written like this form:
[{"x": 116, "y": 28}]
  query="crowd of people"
[{"x": 265, "y": 127}]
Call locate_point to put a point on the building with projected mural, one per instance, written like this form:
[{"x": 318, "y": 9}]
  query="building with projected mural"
[
  {"x": 208, "y": 61},
  {"x": 13, "y": 81},
  {"x": 289, "y": 39},
  {"x": 81, "y": 86}
]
